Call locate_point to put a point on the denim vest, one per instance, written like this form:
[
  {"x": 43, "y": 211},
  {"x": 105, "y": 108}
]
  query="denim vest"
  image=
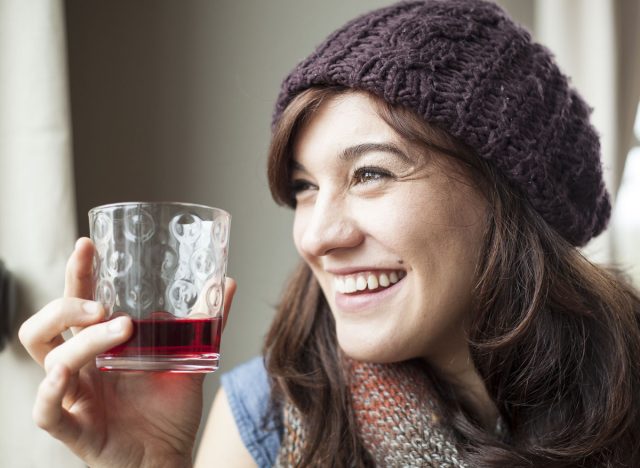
[{"x": 248, "y": 391}]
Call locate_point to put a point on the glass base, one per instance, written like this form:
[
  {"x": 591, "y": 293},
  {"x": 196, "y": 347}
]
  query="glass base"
[{"x": 188, "y": 364}]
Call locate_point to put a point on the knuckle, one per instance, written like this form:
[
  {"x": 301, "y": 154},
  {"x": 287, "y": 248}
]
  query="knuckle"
[
  {"x": 60, "y": 310},
  {"x": 38, "y": 413},
  {"x": 57, "y": 306},
  {"x": 50, "y": 360},
  {"x": 25, "y": 334},
  {"x": 40, "y": 419},
  {"x": 51, "y": 312}
]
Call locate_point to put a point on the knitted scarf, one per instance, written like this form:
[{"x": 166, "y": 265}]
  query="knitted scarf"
[{"x": 397, "y": 420}]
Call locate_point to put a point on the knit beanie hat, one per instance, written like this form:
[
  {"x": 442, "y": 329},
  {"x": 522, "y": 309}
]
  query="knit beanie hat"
[{"x": 467, "y": 68}]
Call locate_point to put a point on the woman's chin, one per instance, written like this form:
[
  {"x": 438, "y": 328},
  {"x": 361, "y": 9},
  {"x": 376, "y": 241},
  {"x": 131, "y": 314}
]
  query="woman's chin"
[{"x": 370, "y": 351}]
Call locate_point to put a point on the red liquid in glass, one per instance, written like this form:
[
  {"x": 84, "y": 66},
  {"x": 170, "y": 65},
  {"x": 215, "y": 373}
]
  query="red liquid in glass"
[{"x": 180, "y": 337}]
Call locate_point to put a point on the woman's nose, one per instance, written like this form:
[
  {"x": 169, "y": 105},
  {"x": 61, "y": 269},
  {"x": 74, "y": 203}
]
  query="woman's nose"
[{"x": 329, "y": 226}]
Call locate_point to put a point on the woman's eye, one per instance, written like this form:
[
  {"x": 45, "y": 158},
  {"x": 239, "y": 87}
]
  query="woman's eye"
[
  {"x": 366, "y": 175},
  {"x": 300, "y": 185}
]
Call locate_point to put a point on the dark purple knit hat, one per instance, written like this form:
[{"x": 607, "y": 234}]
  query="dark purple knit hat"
[{"x": 467, "y": 68}]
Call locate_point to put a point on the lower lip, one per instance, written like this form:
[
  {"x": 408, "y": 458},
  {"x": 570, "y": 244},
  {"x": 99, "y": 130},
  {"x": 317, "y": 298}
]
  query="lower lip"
[{"x": 361, "y": 301}]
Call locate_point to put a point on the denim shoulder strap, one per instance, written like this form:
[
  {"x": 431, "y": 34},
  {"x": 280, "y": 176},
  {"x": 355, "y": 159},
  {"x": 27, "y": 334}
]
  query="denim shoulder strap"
[{"x": 248, "y": 391}]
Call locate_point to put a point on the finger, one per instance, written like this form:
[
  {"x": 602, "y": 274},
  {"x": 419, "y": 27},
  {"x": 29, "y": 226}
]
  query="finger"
[
  {"x": 79, "y": 273},
  {"x": 42, "y": 331},
  {"x": 230, "y": 287},
  {"x": 48, "y": 412},
  {"x": 88, "y": 343}
]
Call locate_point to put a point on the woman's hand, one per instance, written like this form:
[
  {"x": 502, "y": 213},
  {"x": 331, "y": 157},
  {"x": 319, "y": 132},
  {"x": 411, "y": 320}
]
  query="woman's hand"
[{"x": 111, "y": 419}]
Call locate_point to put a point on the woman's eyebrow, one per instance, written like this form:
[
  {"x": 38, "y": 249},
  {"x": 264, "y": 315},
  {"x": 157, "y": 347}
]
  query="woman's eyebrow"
[
  {"x": 296, "y": 166},
  {"x": 354, "y": 152}
]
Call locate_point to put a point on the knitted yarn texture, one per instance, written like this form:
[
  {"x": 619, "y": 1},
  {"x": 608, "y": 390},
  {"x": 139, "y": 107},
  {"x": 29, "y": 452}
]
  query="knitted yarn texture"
[
  {"x": 467, "y": 68},
  {"x": 397, "y": 420}
]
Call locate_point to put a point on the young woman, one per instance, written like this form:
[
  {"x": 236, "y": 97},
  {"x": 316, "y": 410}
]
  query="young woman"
[{"x": 443, "y": 174}]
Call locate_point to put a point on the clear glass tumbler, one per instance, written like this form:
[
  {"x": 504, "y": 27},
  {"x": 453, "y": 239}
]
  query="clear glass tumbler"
[{"x": 164, "y": 265}]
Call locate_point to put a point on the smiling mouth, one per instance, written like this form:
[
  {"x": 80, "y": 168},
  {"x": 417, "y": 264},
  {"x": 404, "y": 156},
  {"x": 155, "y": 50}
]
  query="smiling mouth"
[{"x": 367, "y": 281}]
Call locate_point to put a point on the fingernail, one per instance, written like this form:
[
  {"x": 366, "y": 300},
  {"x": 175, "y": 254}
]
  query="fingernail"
[
  {"x": 92, "y": 308},
  {"x": 55, "y": 375},
  {"x": 115, "y": 325}
]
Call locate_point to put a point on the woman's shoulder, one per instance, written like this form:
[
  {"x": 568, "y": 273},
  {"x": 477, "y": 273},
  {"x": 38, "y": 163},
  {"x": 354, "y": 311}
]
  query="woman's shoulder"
[
  {"x": 248, "y": 391},
  {"x": 249, "y": 372}
]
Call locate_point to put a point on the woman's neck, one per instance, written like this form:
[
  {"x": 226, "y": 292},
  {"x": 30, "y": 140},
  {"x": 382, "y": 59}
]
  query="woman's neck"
[{"x": 462, "y": 373}]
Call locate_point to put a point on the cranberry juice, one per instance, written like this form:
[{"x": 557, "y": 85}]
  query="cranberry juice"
[{"x": 180, "y": 338}]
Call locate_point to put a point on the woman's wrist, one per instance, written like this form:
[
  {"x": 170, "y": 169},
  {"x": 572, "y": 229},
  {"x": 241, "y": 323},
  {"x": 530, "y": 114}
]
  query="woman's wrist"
[
  {"x": 174, "y": 461},
  {"x": 159, "y": 460}
]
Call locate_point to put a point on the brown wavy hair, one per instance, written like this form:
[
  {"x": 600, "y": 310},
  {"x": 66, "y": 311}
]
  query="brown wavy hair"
[{"x": 555, "y": 337}]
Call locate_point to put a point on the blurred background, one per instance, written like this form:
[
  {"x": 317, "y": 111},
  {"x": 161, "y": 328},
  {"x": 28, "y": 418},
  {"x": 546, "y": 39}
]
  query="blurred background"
[{"x": 104, "y": 101}]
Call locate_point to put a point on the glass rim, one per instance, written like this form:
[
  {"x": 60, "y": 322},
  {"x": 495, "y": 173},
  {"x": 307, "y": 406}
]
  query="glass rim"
[{"x": 98, "y": 208}]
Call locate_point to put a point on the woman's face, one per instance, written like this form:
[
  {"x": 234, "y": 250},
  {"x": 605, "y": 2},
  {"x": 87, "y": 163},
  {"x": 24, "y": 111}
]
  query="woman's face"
[{"x": 391, "y": 233}]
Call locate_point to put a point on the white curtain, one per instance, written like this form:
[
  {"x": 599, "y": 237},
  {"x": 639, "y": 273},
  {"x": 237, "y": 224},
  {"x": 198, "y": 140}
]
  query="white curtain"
[
  {"x": 581, "y": 35},
  {"x": 37, "y": 204},
  {"x": 626, "y": 220},
  {"x": 597, "y": 43}
]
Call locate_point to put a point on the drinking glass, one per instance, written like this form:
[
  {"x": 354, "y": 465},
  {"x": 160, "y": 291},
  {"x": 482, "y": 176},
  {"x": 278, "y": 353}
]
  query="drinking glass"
[{"x": 164, "y": 265}]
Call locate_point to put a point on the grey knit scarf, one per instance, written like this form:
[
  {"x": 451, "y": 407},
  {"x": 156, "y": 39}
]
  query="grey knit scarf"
[{"x": 397, "y": 420}]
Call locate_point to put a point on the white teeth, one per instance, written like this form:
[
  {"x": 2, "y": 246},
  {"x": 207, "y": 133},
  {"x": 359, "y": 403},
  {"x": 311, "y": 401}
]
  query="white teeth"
[
  {"x": 369, "y": 280},
  {"x": 349, "y": 285},
  {"x": 383, "y": 280}
]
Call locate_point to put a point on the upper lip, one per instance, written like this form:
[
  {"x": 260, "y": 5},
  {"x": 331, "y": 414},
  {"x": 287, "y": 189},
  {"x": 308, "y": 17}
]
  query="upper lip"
[{"x": 359, "y": 269}]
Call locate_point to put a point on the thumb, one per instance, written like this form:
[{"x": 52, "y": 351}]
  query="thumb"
[{"x": 230, "y": 287}]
